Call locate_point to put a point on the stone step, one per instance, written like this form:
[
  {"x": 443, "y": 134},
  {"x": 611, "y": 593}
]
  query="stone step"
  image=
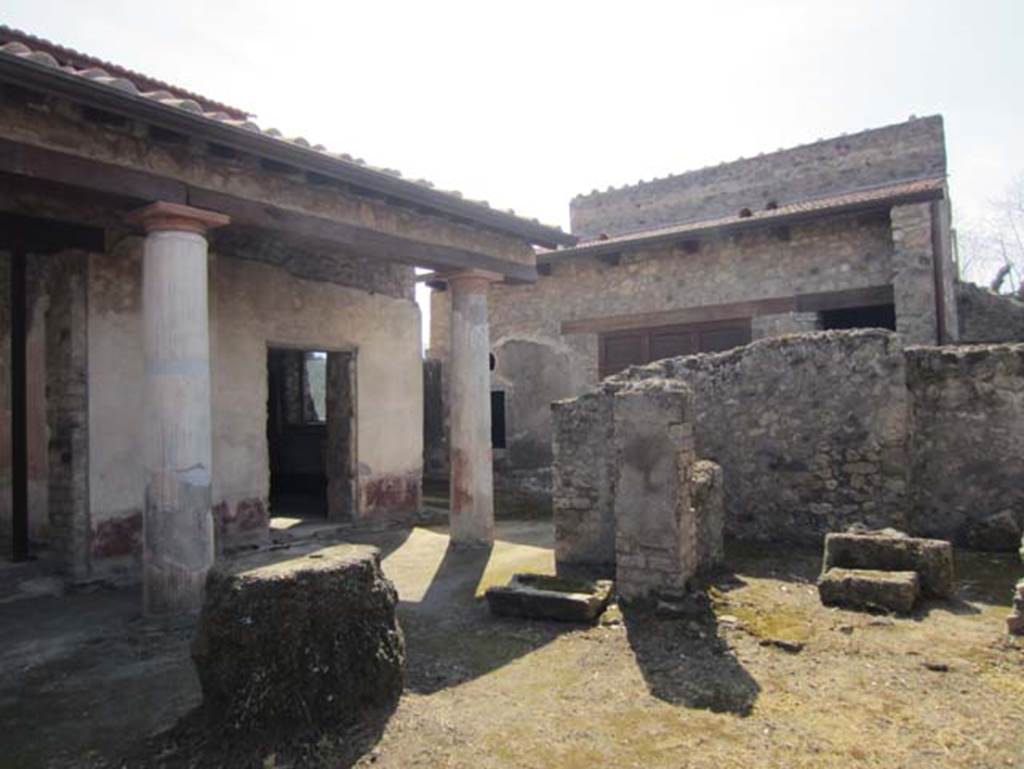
[
  {"x": 895, "y": 591},
  {"x": 890, "y": 550}
]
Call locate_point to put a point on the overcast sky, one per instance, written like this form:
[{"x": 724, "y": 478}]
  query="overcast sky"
[{"x": 526, "y": 104}]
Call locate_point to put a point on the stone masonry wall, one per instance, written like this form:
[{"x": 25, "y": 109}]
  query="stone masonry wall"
[
  {"x": 834, "y": 254},
  {"x": 815, "y": 432},
  {"x": 584, "y": 484},
  {"x": 913, "y": 149},
  {"x": 914, "y": 273},
  {"x": 67, "y": 366},
  {"x": 536, "y": 364},
  {"x": 986, "y": 316},
  {"x": 967, "y": 442},
  {"x": 631, "y": 498},
  {"x": 810, "y": 431}
]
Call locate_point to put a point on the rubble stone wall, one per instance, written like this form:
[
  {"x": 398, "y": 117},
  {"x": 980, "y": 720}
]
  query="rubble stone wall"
[
  {"x": 986, "y": 316},
  {"x": 816, "y": 432},
  {"x": 967, "y": 442},
  {"x": 810, "y": 430},
  {"x": 584, "y": 484}
]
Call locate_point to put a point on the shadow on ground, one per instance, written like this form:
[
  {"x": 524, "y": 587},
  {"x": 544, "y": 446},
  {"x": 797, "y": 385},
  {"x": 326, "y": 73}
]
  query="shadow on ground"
[
  {"x": 450, "y": 635},
  {"x": 685, "y": 662},
  {"x": 199, "y": 740},
  {"x": 802, "y": 563}
]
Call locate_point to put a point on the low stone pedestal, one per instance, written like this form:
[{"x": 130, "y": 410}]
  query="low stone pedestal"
[
  {"x": 895, "y": 591},
  {"x": 536, "y": 596},
  {"x": 890, "y": 550},
  {"x": 708, "y": 496},
  {"x": 289, "y": 643},
  {"x": 655, "y": 523}
]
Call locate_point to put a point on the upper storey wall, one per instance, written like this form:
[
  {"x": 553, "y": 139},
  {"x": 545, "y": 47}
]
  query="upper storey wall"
[{"x": 881, "y": 156}]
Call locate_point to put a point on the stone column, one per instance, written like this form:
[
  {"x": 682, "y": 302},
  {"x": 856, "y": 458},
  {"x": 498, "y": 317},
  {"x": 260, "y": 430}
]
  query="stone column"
[
  {"x": 914, "y": 279},
  {"x": 178, "y": 545},
  {"x": 469, "y": 407}
]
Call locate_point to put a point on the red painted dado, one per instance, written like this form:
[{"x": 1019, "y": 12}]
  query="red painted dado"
[
  {"x": 117, "y": 537},
  {"x": 391, "y": 494},
  {"x": 248, "y": 516}
]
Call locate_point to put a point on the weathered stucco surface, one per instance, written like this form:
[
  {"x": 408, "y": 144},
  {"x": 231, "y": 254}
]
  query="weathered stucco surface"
[
  {"x": 655, "y": 525},
  {"x": 252, "y": 306}
]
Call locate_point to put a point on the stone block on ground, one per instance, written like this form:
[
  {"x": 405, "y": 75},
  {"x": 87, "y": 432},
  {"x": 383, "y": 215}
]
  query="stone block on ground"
[
  {"x": 1015, "y": 622},
  {"x": 537, "y": 596},
  {"x": 891, "y": 550},
  {"x": 708, "y": 497},
  {"x": 895, "y": 591},
  {"x": 307, "y": 640}
]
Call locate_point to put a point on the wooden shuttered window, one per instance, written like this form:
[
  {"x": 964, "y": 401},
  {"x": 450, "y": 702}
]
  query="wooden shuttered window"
[{"x": 619, "y": 349}]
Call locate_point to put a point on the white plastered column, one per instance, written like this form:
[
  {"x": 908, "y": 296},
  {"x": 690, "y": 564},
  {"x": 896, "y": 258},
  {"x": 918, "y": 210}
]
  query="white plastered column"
[
  {"x": 178, "y": 529},
  {"x": 469, "y": 409}
]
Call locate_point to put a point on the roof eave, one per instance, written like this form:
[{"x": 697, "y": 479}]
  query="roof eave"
[
  {"x": 601, "y": 248},
  {"x": 32, "y": 75}
]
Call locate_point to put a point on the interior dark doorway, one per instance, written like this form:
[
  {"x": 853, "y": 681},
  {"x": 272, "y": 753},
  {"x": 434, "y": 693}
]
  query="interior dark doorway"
[
  {"x": 310, "y": 433},
  {"x": 877, "y": 316},
  {"x": 42, "y": 359}
]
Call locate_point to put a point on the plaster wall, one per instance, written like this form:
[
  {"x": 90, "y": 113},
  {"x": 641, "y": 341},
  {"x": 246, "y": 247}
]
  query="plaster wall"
[{"x": 252, "y": 306}]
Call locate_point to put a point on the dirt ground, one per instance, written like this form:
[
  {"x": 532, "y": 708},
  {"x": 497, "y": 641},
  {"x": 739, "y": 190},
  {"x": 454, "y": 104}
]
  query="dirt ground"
[{"x": 767, "y": 677}]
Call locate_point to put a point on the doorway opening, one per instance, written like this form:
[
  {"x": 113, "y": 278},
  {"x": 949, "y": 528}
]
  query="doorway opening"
[
  {"x": 310, "y": 395},
  {"x": 44, "y": 513},
  {"x": 877, "y": 316},
  {"x": 497, "y": 419}
]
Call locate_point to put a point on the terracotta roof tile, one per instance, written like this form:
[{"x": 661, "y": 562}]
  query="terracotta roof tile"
[
  {"x": 14, "y": 42},
  {"x": 53, "y": 54},
  {"x": 767, "y": 216}
]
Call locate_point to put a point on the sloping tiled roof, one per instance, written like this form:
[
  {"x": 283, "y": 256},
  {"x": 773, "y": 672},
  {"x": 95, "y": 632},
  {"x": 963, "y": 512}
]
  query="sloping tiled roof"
[
  {"x": 22, "y": 45},
  {"x": 918, "y": 189},
  {"x": 46, "y": 52}
]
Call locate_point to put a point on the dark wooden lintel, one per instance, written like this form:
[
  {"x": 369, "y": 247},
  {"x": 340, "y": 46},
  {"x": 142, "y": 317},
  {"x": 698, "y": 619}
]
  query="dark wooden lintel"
[
  {"x": 75, "y": 171},
  {"x": 365, "y": 241},
  {"x": 815, "y": 302},
  {"x": 872, "y": 296}
]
